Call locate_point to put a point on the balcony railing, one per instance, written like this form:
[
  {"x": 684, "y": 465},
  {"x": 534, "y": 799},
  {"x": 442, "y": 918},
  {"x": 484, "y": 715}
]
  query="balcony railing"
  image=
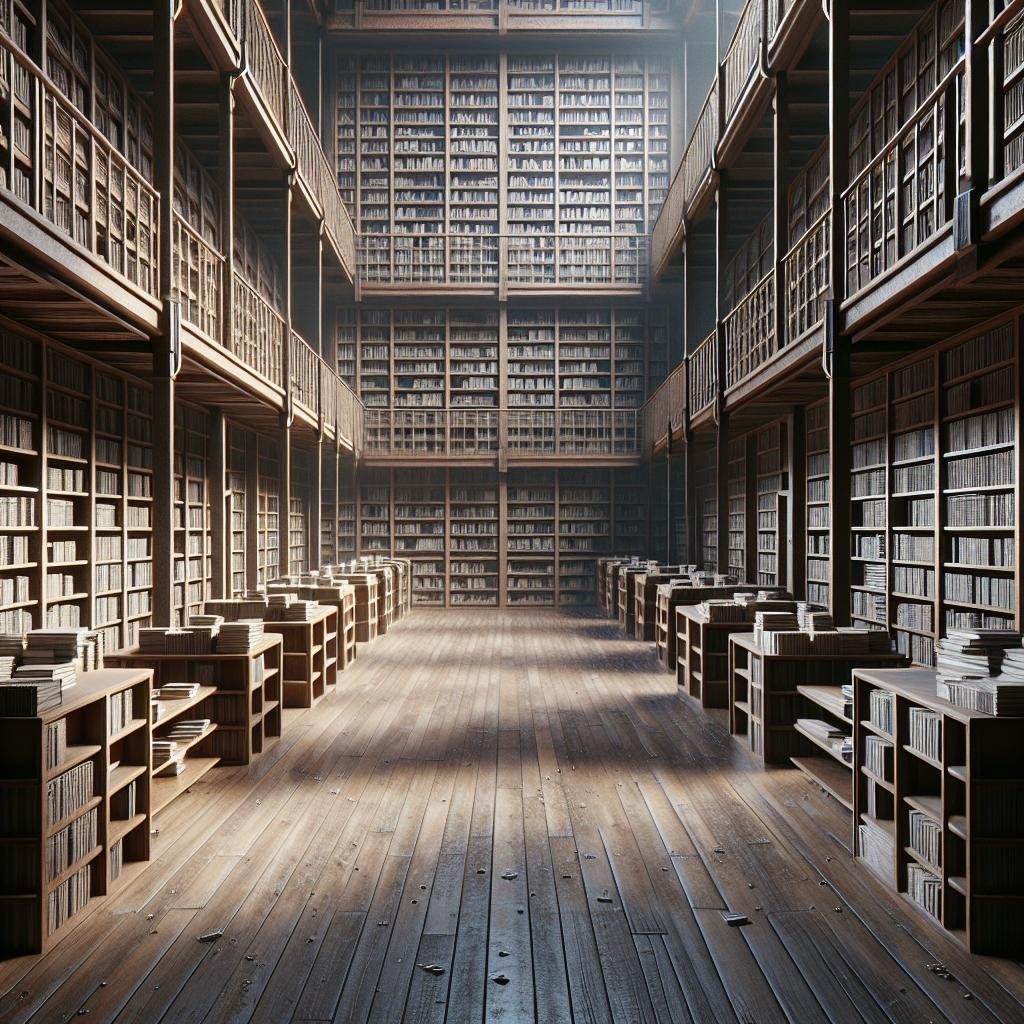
[
  {"x": 258, "y": 335},
  {"x": 700, "y": 150},
  {"x": 482, "y": 433},
  {"x": 808, "y": 276},
  {"x": 665, "y": 411},
  {"x": 55, "y": 161},
  {"x": 741, "y": 59},
  {"x": 904, "y": 196},
  {"x": 264, "y": 62},
  {"x": 198, "y": 279},
  {"x": 620, "y": 8},
  {"x": 519, "y": 260},
  {"x": 1005, "y": 41},
  {"x": 749, "y": 331},
  {"x": 703, "y": 374},
  {"x": 350, "y": 414},
  {"x": 305, "y": 375}
]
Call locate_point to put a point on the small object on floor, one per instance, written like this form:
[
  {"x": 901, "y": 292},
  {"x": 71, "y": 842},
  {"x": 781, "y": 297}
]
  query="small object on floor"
[
  {"x": 434, "y": 969},
  {"x": 211, "y": 936},
  {"x": 734, "y": 919}
]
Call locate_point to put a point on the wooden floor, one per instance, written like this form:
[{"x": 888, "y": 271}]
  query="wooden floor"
[{"x": 505, "y": 817}]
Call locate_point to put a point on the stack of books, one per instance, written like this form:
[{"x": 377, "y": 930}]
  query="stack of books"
[
  {"x": 56, "y": 647},
  {"x": 21, "y": 698},
  {"x": 998, "y": 697},
  {"x": 156, "y": 640},
  {"x": 233, "y": 609},
  {"x": 7, "y": 663},
  {"x": 176, "y": 691},
  {"x": 301, "y": 611},
  {"x": 971, "y": 653},
  {"x": 239, "y": 637},
  {"x": 188, "y": 729},
  {"x": 773, "y": 622},
  {"x": 813, "y": 620}
]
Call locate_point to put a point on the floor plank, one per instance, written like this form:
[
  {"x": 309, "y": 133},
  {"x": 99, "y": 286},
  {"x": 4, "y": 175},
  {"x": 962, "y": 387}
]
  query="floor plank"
[{"x": 500, "y": 818}]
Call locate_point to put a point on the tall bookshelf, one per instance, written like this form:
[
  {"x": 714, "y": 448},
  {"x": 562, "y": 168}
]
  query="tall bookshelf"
[
  {"x": 531, "y": 359},
  {"x": 347, "y": 501},
  {"x": 420, "y": 531},
  {"x": 632, "y": 500},
  {"x": 374, "y": 512},
  {"x": 328, "y": 504},
  {"x": 112, "y": 576},
  {"x": 771, "y": 511},
  {"x": 818, "y": 504},
  {"x": 737, "y": 497},
  {"x": 584, "y": 358},
  {"x": 530, "y": 543},
  {"x": 193, "y": 542},
  {"x": 584, "y": 532},
  {"x": 268, "y": 528},
  {"x": 238, "y": 509},
  {"x": 473, "y": 538},
  {"x": 473, "y": 353},
  {"x": 933, "y": 491}
]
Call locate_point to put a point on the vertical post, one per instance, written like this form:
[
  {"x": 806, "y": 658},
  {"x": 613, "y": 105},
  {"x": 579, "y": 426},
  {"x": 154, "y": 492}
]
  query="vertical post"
[
  {"x": 166, "y": 353},
  {"x": 979, "y": 126},
  {"x": 837, "y": 353},
  {"x": 797, "y": 569},
  {"x": 226, "y": 139},
  {"x": 220, "y": 496},
  {"x": 284, "y": 434},
  {"x": 252, "y": 509},
  {"x": 314, "y": 552},
  {"x": 780, "y": 208},
  {"x": 284, "y": 501}
]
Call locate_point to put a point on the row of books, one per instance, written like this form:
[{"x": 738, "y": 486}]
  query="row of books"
[{"x": 71, "y": 844}]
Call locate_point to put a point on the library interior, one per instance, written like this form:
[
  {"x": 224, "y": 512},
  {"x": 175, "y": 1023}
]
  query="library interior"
[{"x": 510, "y": 511}]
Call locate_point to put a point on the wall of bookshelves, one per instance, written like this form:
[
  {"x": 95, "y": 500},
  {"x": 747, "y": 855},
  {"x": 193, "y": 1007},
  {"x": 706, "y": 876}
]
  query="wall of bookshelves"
[
  {"x": 268, "y": 526},
  {"x": 933, "y": 491},
  {"x": 473, "y": 538},
  {"x": 584, "y": 532},
  {"x": 738, "y": 508},
  {"x": 818, "y": 502},
  {"x": 420, "y": 531},
  {"x": 532, "y": 528},
  {"x": 418, "y": 145},
  {"x": 237, "y": 509},
  {"x": 772, "y": 473},
  {"x": 193, "y": 542},
  {"x": 298, "y": 517},
  {"x": 347, "y": 500},
  {"x": 75, "y": 493},
  {"x": 328, "y": 504}
]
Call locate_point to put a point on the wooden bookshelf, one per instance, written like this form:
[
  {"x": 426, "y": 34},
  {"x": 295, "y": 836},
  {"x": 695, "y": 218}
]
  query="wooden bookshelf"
[
  {"x": 240, "y": 694},
  {"x": 193, "y": 544},
  {"x": 737, "y": 496},
  {"x": 91, "y": 753},
  {"x": 645, "y": 598},
  {"x": 238, "y": 510},
  {"x": 531, "y": 531},
  {"x": 309, "y": 655},
  {"x": 420, "y": 531},
  {"x": 268, "y": 535},
  {"x": 772, "y": 483},
  {"x": 473, "y": 538},
  {"x": 764, "y": 700},
  {"x": 933, "y": 493},
  {"x": 944, "y": 819},
  {"x": 818, "y": 498}
]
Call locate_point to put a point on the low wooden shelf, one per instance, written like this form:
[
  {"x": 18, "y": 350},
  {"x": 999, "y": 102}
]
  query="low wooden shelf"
[
  {"x": 120, "y": 758},
  {"x": 645, "y": 598},
  {"x": 971, "y": 795},
  {"x": 243, "y": 703},
  {"x": 768, "y": 694},
  {"x": 309, "y": 656}
]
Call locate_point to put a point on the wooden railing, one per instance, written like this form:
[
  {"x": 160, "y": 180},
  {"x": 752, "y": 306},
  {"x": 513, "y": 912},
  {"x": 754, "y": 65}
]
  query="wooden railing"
[
  {"x": 304, "y": 370},
  {"x": 665, "y": 411},
  {"x": 350, "y": 415},
  {"x": 257, "y": 338},
  {"x": 700, "y": 150},
  {"x": 263, "y": 61},
  {"x": 703, "y": 374},
  {"x": 741, "y": 59},
  {"x": 749, "y": 331},
  {"x": 57, "y": 163},
  {"x": 904, "y": 196},
  {"x": 1004, "y": 39},
  {"x": 198, "y": 279},
  {"x": 232, "y": 12},
  {"x": 519, "y": 260},
  {"x": 558, "y": 7},
  {"x": 482, "y": 433},
  {"x": 807, "y": 279}
]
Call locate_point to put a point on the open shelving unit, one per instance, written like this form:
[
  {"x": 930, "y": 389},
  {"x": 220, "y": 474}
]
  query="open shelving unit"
[
  {"x": 772, "y": 477},
  {"x": 473, "y": 512},
  {"x": 818, "y": 497},
  {"x": 530, "y": 538},
  {"x": 738, "y": 508}
]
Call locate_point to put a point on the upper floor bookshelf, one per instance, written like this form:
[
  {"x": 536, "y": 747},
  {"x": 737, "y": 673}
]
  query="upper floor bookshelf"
[{"x": 532, "y": 169}]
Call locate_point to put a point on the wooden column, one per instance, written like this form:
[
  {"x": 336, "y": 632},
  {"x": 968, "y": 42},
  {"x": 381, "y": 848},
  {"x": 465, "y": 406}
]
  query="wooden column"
[
  {"x": 780, "y": 206},
  {"x": 837, "y": 355},
  {"x": 981, "y": 123},
  {"x": 220, "y": 514},
  {"x": 284, "y": 433},
  {"x": 252, "y": 508},
  {"x": 796, "y": 570},
  {"x": 285, "y": 499},
  {"x": 166, "y": 345},
  {"x": 314, "y": 546}
]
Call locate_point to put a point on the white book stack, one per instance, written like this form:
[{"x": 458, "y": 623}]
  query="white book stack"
[
  {"x": 239, "y": 637},
  {"x": 188, "y": 729}
]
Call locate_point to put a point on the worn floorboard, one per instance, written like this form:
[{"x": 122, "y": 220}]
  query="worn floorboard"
[{"x": 502, "y": 818}]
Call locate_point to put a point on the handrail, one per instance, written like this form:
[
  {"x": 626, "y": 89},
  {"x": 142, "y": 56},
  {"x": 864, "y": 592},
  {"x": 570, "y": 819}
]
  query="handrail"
[
  {"x": 698, "y": 156},
  {"x": 304, "y": 385},
  {"x": 999, "y": 22},
  {"x": 702, "y": 375},
  {"x": 198, "y": 279},
  {"x": 750, "y": 331},
  {"x": 664, "y": 412},
  {"x": 741, "y": 57},
  {"x": 66, "y": 170},
  {"x": 263, "y": 60},
  {"x": 484, "y": 433},
  {"x": 808, "y": 278},
  {"x": 908, "y": 122},
  {"x": 258, "y": 333},
  {"x": 520, "y": 260}
]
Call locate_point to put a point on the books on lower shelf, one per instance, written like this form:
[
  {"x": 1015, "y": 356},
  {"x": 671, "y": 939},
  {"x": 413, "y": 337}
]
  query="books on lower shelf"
[{"x": 925, "y": 889}]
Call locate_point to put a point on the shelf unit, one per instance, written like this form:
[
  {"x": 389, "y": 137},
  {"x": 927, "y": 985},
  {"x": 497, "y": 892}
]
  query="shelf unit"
[
  {"x": 933, "y": 492},
  {"x": 239, "y": 693},
  {"x": 737, "y": 497},
  {"x": 772, "y": 474},
  {"x": 943, "y": 825},
  {"x": 193, "y": 542},
  {"x": 584, "y": 533},
  {"x": 75, "y": 800},
  {"x": 375, "y": 521},
  {"x": 420, "y": 531},
  {"x": 238, "y": 509},
  {"x": 530, "y": 538},
  {"x": 473, "y": 514},
  {"x": 268, "y": 523},
  {"x": 309, "y": 655},
  {"x": 298, "y": 518},
  {"x": 818, "y": 497},
  {"x": 765, "y": 701}
]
